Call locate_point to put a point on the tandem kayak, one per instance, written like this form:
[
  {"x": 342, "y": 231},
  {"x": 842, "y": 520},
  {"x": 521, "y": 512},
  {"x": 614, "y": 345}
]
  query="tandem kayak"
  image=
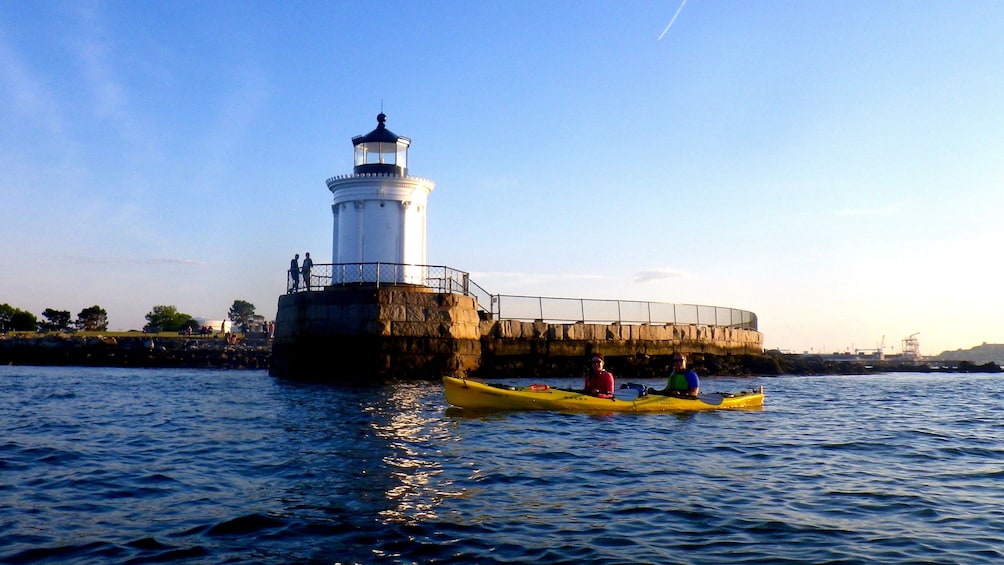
[{"x": 465, "y": 393}]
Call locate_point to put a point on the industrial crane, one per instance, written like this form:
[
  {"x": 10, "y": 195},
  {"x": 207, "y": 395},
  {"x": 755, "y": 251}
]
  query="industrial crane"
[{"x": 911, "y": 348}]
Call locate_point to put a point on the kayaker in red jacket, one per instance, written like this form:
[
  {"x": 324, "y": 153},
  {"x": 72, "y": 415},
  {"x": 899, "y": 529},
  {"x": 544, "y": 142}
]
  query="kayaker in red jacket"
[{"x": 599, "y": 382}]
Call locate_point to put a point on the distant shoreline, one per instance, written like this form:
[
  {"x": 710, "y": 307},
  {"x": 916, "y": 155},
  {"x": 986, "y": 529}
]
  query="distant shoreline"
[
  {"x": 135, "y": 349},
  {"x": 814, "y": 365},
  {"x": 770, "y": 363},
  {"x": 170, "y": 350}
]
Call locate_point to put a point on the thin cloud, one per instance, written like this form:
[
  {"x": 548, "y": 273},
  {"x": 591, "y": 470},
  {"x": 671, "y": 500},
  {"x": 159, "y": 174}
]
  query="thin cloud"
[
  {"x": 640, "y": 277},
  {"x": 682, "y": 4},
  {"x": 652, "y": 275},
  {"x": 884, "y": 211},
  {"x": 26, "y": 92},
  {"x": 95, "y": 55},
  {"x": 111, "y": 99},
  {"x": 536, "y": 276},
  {"x": 134, "y": 261}
]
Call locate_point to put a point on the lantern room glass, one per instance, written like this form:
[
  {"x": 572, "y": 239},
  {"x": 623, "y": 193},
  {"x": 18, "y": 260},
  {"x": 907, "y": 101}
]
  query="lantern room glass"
[{"x": 381, "y": 153}]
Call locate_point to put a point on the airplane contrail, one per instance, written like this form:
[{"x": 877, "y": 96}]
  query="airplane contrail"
[{"x": 682, "y": 4}]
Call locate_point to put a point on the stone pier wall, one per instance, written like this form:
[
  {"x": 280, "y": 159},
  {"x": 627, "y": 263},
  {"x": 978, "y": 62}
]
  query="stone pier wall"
[
  {"x": 356, "y": 333},
  {"x": 515, "y": 337},
  {"x": 515, "y": 348}
]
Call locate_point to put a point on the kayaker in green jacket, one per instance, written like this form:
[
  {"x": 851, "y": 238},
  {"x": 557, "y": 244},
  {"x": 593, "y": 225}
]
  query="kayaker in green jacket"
[{"x": 682, "y": 382}]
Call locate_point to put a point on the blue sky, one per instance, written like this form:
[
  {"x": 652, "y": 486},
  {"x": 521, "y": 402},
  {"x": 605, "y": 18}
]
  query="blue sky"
[{"x": 834, "y": 167}]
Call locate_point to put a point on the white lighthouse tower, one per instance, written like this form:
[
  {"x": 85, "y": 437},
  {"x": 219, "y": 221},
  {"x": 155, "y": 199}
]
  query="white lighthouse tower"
[{"x": 380, "y": 212}]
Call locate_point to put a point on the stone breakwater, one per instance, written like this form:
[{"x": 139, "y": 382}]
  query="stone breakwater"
[
  {"x": 143, "y": 352},
  {"x": 413, "y": 332},
  {"x": 511, "y": 348},
  {"x": 381, "y": 333}
]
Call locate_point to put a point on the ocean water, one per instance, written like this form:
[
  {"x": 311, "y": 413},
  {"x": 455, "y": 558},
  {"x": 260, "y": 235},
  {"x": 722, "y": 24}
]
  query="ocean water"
[{"x": 202, "y": 466}]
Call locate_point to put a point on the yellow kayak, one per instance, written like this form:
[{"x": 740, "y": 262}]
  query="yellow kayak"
[{"x": 466, "y": 393}]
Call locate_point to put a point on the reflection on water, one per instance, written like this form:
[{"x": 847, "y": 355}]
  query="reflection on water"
[
  {"x": 403, "y": 421},
  {"x": 381, "y": 436},
  {"x": 371, "y": 439}
]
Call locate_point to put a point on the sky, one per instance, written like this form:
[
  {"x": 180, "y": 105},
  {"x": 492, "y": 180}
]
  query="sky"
[{"x": 835, "y": 167}]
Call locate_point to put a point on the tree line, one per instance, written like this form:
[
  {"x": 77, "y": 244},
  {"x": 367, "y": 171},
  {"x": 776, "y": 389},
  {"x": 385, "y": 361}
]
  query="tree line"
[{"x": 161, "y": 318}]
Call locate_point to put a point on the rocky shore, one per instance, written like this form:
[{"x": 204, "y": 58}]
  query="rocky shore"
[
  {"x": 216, "y": 353},
  {"x": 770, "y": 363},
  {"x": 138, "y": 351}
]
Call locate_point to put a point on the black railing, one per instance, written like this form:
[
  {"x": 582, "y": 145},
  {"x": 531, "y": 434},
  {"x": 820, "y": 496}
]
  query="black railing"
[
  {"x": 441, "y": 279},
  {"x": 511, "y": 307}
]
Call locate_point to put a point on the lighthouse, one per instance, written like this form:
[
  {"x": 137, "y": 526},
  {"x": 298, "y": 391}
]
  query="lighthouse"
[
  {"x": 395, "y": 316},
  {"x": 379, "y": 211}
]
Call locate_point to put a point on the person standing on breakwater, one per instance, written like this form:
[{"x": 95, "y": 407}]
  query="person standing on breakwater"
[
  {"x": 294, "y": 273},
  {"x": 682, "y": 382},
  {"x": 599, "y": 382},
  {"x": 307, "y": 264}
]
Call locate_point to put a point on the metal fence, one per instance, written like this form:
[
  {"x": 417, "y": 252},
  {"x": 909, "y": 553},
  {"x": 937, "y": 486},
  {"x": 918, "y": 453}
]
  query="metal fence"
[
  {"x": 511, "y": 307},
  {"x": 438, "y": 278},
  {"x": 592, "y": 311}
]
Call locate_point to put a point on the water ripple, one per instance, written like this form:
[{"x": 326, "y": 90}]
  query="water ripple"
[{"x": 152, "y": 466}]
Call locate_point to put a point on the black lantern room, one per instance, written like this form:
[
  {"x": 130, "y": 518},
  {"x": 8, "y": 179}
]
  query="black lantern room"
[{"x": 381, "y": 151}]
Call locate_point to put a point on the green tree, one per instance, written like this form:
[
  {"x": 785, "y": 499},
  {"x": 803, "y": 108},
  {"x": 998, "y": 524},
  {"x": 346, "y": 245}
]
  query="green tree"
[
  {"x": 56, "y": 320},
  {"x": 241, "y": 313},
  {"x": 93, "y": 319},
  {"x": 165, "y": 319},
  {"x": 17, "y": 320},
  {"x": 6, "y": 314}
]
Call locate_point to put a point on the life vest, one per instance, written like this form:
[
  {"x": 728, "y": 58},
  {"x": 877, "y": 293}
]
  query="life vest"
[
  {"x": 600, "y": 382},
  {"x": 678, "y": 381}
]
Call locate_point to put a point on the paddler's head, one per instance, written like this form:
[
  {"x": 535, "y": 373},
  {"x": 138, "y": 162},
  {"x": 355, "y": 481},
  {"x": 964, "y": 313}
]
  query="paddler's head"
[
  {"x": 679, "y": 361},
  {"x": 596, "y": 363}
]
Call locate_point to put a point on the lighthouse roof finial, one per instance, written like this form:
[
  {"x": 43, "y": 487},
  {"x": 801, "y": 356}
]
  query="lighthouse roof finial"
[{"x": 380, "y": 134}]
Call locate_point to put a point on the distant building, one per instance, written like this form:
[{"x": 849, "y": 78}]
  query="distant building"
[{"x": 217, "y": 326}]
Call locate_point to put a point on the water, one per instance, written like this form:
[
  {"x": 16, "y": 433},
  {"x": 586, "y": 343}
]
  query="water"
[{"x": 141, "y": 466}]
